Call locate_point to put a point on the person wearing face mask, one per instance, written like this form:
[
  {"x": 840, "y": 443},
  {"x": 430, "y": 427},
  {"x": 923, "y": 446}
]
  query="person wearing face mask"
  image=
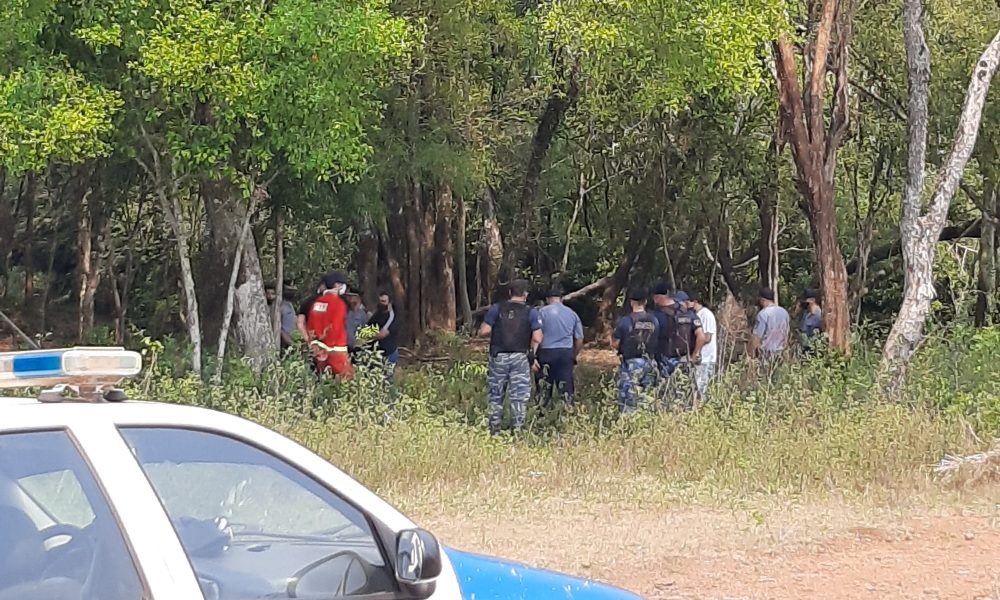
[
  {"x": 389, "y": 326},
  {"x": 326, "y": 325}
]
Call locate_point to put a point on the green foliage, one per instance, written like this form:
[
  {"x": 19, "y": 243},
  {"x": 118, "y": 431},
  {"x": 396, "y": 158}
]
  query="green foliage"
[{"x": 52, "y": 115}]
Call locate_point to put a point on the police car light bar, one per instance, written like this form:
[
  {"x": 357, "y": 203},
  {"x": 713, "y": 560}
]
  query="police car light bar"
[{"x": 71, "y": 366}]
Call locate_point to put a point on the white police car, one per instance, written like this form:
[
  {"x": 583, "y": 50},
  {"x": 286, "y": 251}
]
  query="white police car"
[{"x": 104, "y": 499}]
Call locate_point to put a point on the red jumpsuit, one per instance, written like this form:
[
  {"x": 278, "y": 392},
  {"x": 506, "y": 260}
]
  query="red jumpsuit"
[{"x": 327, "y": 326}]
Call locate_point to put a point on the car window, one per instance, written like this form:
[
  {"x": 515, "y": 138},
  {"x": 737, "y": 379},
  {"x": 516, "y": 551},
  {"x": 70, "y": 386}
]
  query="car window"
[
  {"x": 58, "y": 535},
  {"x": 255, "y": 526}
]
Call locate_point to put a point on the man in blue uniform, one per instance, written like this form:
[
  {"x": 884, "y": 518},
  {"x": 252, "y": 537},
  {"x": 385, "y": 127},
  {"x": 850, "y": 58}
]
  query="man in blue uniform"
[
  {"x": 562, "y": 340},
  {"x": 636, "y": 337},
  {"x": 515, "y": 332}
]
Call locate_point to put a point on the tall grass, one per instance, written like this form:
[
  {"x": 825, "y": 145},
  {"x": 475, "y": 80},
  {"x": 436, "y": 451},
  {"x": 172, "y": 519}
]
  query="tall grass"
[{"x": 819, "y": 430}]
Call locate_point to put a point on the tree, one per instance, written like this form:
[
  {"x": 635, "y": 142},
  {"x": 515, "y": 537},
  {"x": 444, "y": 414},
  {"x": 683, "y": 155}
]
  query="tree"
[
  {"x": 922, "y": 221},
  {"x": 815, "y": 142}
]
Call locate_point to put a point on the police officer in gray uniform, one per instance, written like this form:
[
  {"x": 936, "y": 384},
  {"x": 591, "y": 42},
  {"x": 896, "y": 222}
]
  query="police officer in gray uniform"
[{"x": 515, "y": 332}]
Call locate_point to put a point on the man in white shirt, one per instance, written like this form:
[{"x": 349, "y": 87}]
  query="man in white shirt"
[{"x": 705, "y": 369}]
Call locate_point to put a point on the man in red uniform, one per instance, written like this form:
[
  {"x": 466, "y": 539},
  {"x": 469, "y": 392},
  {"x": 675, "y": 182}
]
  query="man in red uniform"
[{"x": 326, "y": 324}]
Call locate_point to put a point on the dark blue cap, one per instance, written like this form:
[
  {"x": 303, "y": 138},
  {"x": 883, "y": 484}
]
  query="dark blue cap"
[{"x": 681, "y": 297}]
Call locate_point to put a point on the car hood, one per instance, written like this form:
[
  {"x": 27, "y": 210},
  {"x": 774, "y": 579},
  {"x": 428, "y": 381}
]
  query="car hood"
[{"x": 488, "y": 578}]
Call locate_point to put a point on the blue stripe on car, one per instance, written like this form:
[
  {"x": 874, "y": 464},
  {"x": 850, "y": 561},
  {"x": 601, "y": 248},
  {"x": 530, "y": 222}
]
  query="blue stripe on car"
[{"x": 488, "y": 578}]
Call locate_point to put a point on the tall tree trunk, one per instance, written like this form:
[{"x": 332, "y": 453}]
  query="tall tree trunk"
[
  {"x": 920, "y": 229},
  {"x": 367, "y": 262},
  {"x": 581, "y": 196},
  {"x": 171, "y": 207},
  {"x": 559, "y": 102},
  {"x": 767, "y": 257},
  {"x": 30, "y": 198},
  {"x": 279, "y": 270},
  {"x": 832, "y": 273},
  {"x": 461, "y": 263},
  {"x": 490, "y": 248},
  {"x": 231, "y": 289},
  {"x": 89, "y": 266},
  {"x": 227, "y": 212},
  {"x": 8, "y": 228},
  {"x": 636, "y": 244},
  {"x": 814, "y": 145},
  {"x": 394, "y": 271},
  {"x": 442, "y": 312},
  {"x": 987, "y": 248},
  {"x": 416, "y": 232}
]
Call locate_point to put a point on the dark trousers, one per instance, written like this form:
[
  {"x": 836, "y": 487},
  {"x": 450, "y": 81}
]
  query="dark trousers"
[{"x": 557, "y": 373}]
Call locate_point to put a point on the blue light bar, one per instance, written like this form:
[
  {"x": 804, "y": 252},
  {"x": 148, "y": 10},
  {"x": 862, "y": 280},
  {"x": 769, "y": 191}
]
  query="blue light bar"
[{"x": 92, "y": 366}]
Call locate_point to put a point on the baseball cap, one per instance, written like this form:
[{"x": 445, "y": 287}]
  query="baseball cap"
[
  {"x": 637, "y": 294},
  {"x": 554, "y": 292},
  {"x": 681, "y": 296},
  {"x": 810, "y": 294},
  {"x": 333, "y": 278},
  {"x": 661, "y": 289},
  {"x": 766, "y": 293}
]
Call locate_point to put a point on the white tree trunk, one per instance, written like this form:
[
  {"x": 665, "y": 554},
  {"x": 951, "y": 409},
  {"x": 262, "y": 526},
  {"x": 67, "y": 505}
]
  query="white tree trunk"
[
  {"x": 172, "y": 212},
  {"x": 918, "y": 231},
  {"x": 245, "y": 291}
]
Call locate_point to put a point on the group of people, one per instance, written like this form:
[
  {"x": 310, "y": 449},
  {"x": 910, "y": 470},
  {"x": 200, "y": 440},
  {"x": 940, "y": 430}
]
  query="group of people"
[
  {"x": 669, "y": 351},
  {"x": 333, "y": 320},
  {"x": 662, "y": 350}
]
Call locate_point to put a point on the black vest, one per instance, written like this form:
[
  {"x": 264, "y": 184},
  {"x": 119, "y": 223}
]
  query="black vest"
[
  {"x": 512, "y": 332},
  {"x": 640, "y": 341},
  {"x": 679, "y": 338}
]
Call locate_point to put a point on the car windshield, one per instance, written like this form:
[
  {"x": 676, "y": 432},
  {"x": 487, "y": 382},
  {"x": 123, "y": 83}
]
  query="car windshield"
[{"x": 253, "y": 525}]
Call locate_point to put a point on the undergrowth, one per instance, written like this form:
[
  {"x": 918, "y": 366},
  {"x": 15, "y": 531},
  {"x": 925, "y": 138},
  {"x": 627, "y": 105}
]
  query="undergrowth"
[{"x": 820, "y": 429}]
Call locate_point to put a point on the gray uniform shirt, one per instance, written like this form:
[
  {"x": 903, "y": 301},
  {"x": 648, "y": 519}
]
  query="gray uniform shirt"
[
  {"x": 560, "y": 326},
  {"x": 772, "y": 328}
]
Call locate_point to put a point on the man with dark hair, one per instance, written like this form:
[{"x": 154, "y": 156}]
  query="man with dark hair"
[
  {"x": 636, "y": 337},
  {"x": 770, "y": 333},
  {"x": 389, "y": 326},
  {"x": 326, "y": 325},
  {"x": 562, "y": 340},
  {"x": 812, "y": 319},
  {"x": 515, "y": 332}
]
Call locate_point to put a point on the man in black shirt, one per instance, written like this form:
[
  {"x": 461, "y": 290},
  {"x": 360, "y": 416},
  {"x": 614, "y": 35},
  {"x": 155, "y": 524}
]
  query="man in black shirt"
[{"x": 389, "y": 325}]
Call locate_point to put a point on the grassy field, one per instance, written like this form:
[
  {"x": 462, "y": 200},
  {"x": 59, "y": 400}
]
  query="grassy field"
[{"x": 762, "y": 469}]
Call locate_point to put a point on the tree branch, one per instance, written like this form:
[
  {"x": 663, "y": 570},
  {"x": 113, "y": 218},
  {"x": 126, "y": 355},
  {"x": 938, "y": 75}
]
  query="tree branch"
[
  {"x": 968, "y": 131},
  {"x": 817, "y": 77},
  {"x": 918, "y": 67}
]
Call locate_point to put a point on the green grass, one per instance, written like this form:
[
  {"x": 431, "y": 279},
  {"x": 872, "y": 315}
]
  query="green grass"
[{"x": 820, "y": 432}]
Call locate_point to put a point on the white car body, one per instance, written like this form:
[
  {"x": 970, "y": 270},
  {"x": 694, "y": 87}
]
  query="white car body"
[{"x": 156, "y": 549}]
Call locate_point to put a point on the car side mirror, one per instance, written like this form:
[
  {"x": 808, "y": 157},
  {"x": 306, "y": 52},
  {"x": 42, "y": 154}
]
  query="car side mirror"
[{"x": 418, "y": 557}]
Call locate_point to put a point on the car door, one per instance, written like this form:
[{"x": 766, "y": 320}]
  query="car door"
[{"x": 255, "y": 524}]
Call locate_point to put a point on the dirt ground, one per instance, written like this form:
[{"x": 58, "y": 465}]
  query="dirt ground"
[{"x": 790, "y": 552}]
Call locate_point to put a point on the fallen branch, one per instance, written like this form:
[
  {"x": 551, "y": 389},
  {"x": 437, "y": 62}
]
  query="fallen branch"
[
  {"x": 975, "y": 468},
  {"x": 590, "y": 288},
  {"x": 18, "y": 331}
]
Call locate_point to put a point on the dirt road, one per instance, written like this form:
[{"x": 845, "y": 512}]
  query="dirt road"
[{"x": 789, "y": 552}]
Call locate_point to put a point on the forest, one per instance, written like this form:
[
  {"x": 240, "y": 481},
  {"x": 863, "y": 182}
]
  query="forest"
[{"x": 161, "y": 159}]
